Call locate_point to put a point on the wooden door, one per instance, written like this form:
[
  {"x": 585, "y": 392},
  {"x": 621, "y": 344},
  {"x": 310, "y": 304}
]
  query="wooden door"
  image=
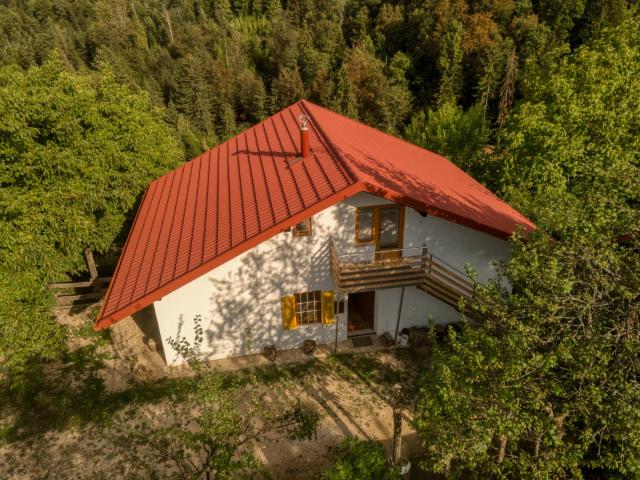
[{"x": 389, "y": 220}]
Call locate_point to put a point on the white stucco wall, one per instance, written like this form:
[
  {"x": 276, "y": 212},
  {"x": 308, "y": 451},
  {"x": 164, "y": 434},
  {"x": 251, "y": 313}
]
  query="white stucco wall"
[
  {"x": 239, "y": 302},
  {"x": 455, "y": 244}
]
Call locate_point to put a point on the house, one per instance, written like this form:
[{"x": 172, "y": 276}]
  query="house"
[{"x": 308, "y": 225}]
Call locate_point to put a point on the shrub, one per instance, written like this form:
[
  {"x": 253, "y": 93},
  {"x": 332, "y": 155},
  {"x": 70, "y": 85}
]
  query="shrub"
[{"x": 361, "y": 460}]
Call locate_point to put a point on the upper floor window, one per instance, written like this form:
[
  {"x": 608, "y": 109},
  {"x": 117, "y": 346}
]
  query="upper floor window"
[
  {"x": 381, "y": 225},
  {"x": 389, "y": 227},
  {"x": 364, "y": 225},
  {"x": 302, "y": 229}
]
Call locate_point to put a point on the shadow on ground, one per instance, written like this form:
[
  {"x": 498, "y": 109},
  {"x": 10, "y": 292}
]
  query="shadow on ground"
[{"x": 72, "y": 392}]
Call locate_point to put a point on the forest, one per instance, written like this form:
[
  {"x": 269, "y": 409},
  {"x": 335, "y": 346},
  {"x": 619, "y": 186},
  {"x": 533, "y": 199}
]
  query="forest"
[{"x": 537, "y": 99}]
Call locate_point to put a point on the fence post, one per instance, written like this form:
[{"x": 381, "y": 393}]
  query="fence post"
[{"x": 93, "y": 271}]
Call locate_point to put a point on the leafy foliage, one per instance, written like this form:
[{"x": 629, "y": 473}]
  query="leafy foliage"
[
  {"x": 361, "y": 460},
  {"x": 545, "y": 384},
  {"x": 459, "y": 135},
  {"x": 76, "y": 151},
  {"x": 222, "y": 65},
  {"x": 571, "y": 150},
  {"x": 551, "y": 370}
]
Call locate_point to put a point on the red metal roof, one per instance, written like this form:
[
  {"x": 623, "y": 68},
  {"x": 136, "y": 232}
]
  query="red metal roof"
[{"x": 245, "y": 191}]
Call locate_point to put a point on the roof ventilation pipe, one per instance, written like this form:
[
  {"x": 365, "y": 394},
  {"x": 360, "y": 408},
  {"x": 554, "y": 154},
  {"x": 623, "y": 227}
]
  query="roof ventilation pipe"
[{"x": 305, "y": 150}]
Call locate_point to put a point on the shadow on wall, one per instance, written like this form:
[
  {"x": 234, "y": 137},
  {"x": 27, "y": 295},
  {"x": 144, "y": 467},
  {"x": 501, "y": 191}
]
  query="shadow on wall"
[
  {"x": 146, "y": 321},
  {"x": 247, "y": 299}
]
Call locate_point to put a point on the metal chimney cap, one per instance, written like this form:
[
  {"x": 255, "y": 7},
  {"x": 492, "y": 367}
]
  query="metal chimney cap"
[{"x": 304, "y": 121}]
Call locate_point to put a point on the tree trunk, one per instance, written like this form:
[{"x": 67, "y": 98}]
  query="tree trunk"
[
  {"x": 502, "y": 449},
  {"x": 507, "y": 90},
  {"x": 397, "y": 434},
  {"x": 536, "y": 446},
  {"x": 167, "y": 18}
]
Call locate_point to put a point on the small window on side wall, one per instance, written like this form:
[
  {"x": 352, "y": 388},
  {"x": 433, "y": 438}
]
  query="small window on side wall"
[
  {"x": 364, "y": 225},
  {"x": 302, "y": 229}
]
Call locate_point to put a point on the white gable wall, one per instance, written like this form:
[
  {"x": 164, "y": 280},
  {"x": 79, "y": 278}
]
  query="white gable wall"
[
  {"x": 239, "y": 302},
  {"x": 455, "y": 244}
]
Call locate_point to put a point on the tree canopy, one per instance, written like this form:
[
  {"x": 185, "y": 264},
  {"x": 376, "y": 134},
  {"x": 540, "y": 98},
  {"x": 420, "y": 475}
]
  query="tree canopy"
[
  {"x": 221, "y": 65},
  {"x": 540, "y": 100},
  {"x": 545, "y": 384},
  {"x": 571, "y": 149},
  {"x": 76, "y": 151}
]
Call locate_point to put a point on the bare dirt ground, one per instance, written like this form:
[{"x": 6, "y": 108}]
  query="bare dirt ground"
[{"x": 348, "y": 391}]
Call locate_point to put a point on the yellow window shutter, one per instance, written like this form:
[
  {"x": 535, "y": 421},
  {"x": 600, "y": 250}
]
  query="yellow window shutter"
[
  {"x": 327, "y": 307},
  {"x": 289, "y": 320}
]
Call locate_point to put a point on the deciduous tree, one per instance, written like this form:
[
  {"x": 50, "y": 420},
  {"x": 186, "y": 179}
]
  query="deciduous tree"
[
  {"x": 76, "y": 152},
  {"x": 544, "y": 382}
]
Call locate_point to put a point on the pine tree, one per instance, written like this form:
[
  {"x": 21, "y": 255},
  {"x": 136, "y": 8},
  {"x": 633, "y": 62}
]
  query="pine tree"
[
  {"x": 508, "y": 87},
  {"x": 193, "y": 96},
  {"x": 450, "y": 64},
  {"x": 343, "y": 99}
]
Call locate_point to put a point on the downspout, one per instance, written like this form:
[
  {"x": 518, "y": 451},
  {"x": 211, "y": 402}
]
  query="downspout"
[
  {"x": 395, "y": 337},
  {"x": 337, "y": 322}
]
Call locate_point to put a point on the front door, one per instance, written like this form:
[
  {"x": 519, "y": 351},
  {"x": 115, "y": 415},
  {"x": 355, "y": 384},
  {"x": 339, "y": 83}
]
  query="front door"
[
  {"x": 360, "y": 311},
  {"x": 388, "y": 232}
]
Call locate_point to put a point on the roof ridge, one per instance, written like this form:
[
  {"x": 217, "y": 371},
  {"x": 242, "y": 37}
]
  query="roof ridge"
[
  {"x": 475, "y": 182},
  {"x": 345, "y": 167},
  {"x": 401, "y": 139}
]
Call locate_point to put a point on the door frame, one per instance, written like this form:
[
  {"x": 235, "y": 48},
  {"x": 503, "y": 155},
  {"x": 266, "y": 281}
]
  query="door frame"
[
  {"x": 380, "y": 251},
  {"x": 373, "y": 308}
]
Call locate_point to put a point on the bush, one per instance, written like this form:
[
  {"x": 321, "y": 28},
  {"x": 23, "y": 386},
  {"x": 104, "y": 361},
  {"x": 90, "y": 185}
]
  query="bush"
[{"x": 361, "y": 460}]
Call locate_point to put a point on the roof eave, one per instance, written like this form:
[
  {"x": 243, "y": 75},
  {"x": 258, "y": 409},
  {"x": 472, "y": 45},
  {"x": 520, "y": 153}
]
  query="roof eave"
[{"x": 397, "y": 197}]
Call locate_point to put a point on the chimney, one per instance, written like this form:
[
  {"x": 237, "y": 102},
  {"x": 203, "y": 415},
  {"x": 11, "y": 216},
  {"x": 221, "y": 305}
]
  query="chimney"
[{"x": 305, "y": 151}]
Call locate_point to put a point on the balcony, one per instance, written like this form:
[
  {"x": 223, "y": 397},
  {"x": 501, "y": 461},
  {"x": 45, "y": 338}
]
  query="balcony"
[{"x": 357, "y": 272}]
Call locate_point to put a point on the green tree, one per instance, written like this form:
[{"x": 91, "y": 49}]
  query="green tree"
[
  {"x": 450, "y": 63},
  {"x": 572, "y": 148},
  {"x": 459, "y": 135},
  {"x": 454, "y": 48},
  {"x": 343, "y": 98},
  {"x": 76, "y": 152},
  {"x": 193, "y": 95},
  {"x": 361, "y": 460},
  {"x": 544, "y": 383},
  {"x": 287, "y": 88},
  {"x": 380, "y": 102}
]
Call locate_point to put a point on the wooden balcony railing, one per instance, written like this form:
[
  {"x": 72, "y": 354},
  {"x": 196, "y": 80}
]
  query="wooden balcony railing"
[{"x": 418, "y": 267}]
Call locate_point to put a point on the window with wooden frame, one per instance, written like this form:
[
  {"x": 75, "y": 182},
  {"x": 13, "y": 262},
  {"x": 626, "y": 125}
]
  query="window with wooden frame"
[
  {"x": 302, "y": 229},
  {"x": 309, "y": 307},
  {"x": 381, "y": 225},
  {"x": 364, "y": 225},
  {"x": 388, "y": 226}
]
